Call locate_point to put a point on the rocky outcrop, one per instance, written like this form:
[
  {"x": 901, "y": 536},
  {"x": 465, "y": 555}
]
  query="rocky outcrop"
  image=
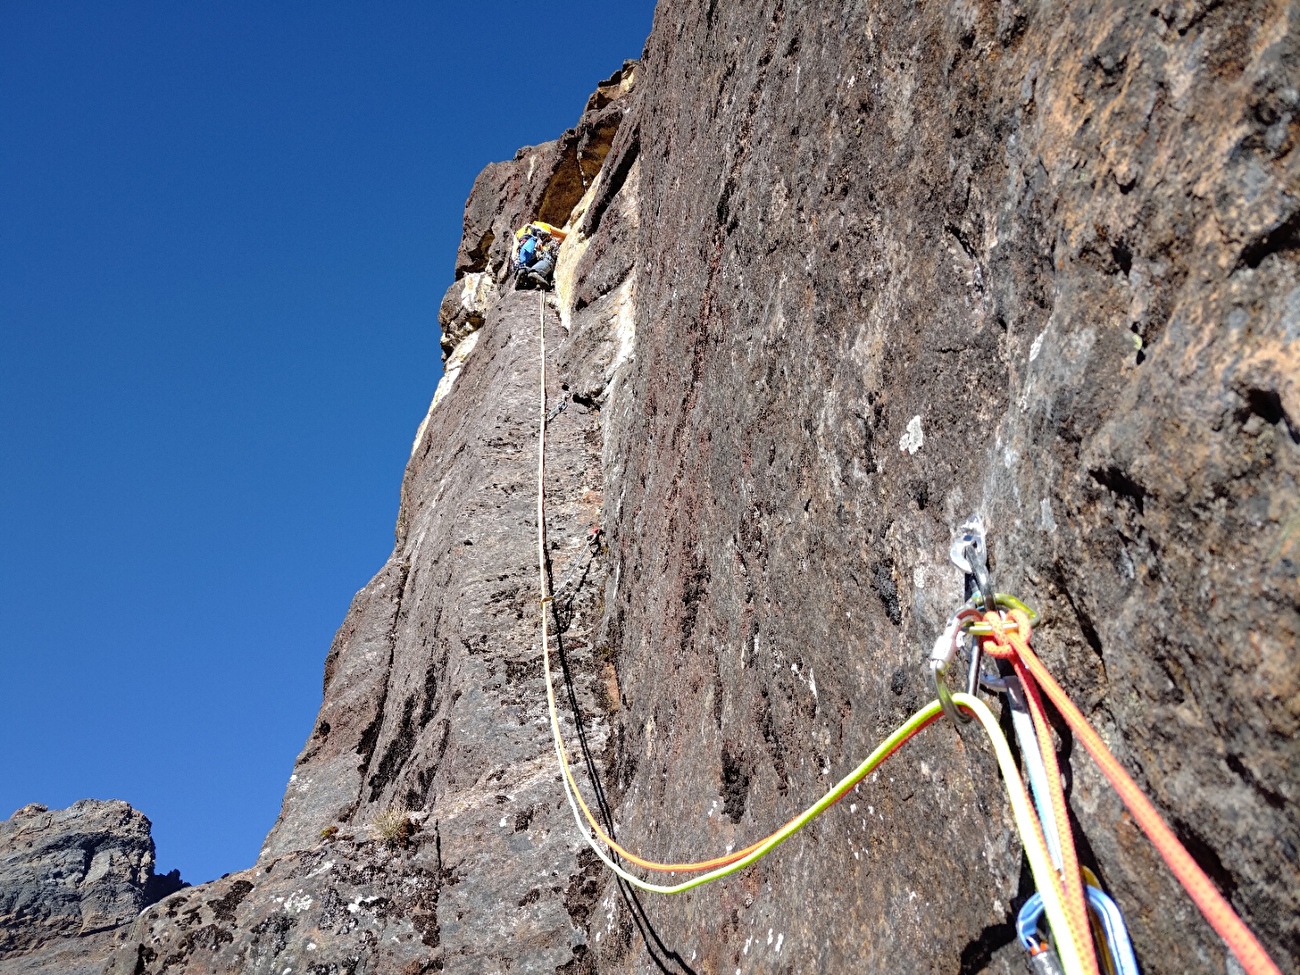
[
  {"x": 69, "y": 880},
  {"x": 422, "y": 829},
  {"x": 542, "y": 182},
  {"x": 465, "y": 308},
  {"x": 831, "y": 284}
]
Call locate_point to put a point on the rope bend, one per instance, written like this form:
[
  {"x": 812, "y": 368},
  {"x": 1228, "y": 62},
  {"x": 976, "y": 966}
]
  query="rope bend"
[
  {"x": 1060, "y": 895},
  {"x": 1026, "y": 822}
]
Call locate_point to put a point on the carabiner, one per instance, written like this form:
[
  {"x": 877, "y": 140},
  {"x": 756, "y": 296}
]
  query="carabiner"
[
  {"x": 945, "y": 648},
  {"x": 970, "y": 553}
]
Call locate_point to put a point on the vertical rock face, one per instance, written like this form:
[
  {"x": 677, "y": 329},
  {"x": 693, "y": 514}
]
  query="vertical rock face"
[
  {"x": 833, "y": 282},
  {"x": 898, "y": 264},
  {"x": 69, "y": 879}
]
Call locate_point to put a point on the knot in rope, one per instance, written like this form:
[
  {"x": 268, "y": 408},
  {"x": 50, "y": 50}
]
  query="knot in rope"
[{"x": 1007, "y": 643}]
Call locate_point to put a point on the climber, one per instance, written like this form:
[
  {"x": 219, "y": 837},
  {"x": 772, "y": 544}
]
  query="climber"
[
  {"x": 539, "y": 270},
  {"x": 537, "y": 244}
]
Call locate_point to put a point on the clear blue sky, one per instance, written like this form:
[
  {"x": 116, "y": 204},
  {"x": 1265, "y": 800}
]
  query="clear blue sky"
[{"x": 224, "y": 232}]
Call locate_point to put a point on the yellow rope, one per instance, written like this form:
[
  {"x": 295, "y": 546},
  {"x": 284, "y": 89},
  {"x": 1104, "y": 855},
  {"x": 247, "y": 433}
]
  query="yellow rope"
[{"x": 1031, "y": 833}]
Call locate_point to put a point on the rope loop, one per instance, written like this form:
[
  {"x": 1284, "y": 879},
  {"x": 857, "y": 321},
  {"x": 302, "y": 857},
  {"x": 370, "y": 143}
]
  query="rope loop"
[{"x": 1005, "y": 642}]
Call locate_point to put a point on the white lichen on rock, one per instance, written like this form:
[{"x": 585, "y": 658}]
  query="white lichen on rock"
[{"x": 913, "y": 438}]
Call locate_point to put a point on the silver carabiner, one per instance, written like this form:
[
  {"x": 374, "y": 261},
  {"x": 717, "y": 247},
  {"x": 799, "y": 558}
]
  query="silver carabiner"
[
  {"x": 970, "y": 553},
  {"x": 940, "y": 658}
]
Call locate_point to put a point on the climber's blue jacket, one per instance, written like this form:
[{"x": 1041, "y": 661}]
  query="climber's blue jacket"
[{"x": 528, "y": 252}]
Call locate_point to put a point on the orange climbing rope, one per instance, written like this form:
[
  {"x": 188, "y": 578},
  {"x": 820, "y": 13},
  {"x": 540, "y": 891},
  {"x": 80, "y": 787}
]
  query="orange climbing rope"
[
  {"x": 1076, "y": 910},
  {"x": 729, "y": 858},
  {"x": 1014, "y": 646}
]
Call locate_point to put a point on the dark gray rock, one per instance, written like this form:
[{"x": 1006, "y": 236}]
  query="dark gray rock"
[
  {"x": 69, "y": 879},
  {"x": 1059, "y": 240}
]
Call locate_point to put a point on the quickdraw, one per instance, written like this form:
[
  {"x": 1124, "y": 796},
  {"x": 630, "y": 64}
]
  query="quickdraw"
[
  {"x": 1001, "y": 626},
  {"x": 1004, "y": 633}
]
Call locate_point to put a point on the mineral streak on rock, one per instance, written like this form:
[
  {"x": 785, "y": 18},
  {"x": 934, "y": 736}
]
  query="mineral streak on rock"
[
  {"x": 69, "y": 880},
  {"x": 834, "y": 280}
]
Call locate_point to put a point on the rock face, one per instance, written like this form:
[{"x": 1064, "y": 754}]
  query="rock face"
[
  {"x": 833, "y": 282},
  {"x": 69, "y": 880}
]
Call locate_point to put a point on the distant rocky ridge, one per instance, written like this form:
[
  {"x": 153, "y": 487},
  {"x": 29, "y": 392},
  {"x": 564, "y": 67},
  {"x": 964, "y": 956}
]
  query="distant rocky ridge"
[
  {"x": 832, "y": 282},
  {"x": 70, "y": 879}
]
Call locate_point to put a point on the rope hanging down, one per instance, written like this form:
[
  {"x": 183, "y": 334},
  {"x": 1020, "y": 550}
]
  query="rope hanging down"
[
  {"x": 1027, "y": 823},
  {"x": 1007, "y": 638}
]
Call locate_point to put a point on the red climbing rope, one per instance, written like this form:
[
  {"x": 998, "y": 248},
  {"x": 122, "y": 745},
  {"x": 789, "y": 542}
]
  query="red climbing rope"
[{"x": 1014, "y": 646}]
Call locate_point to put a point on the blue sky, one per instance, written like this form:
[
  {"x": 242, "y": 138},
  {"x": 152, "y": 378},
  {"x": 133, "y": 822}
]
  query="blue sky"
[{"x": 224, "y": 232}]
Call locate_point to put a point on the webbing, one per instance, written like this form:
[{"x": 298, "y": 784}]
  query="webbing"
[{"x": 1217, "y": 911}]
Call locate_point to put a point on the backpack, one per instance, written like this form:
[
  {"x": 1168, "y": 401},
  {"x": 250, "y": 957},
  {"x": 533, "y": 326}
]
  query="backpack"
[
  {"x": 535, "y": 240},
  {"x": 528, "y": 251}
]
